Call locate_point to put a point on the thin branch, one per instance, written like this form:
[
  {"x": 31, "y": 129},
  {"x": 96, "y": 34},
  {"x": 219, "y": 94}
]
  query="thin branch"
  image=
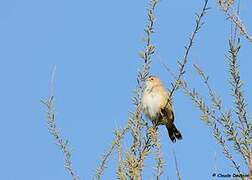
[
  {"x": 159, "y": 162},
  {"x": 139, "y": 147},
  {"x": 216, "y": 101},
  {"x": 234, "y": 17},
  {"x": 52, "y": 86},
  {"x": 226, "y": 152},
  {"x": 239, "y": 100},
  {"x": 236, "y": 84},
  {"x": 63, "y": 144},
  {"x": 207, "y": 115},
  {"x": 182, "y": 64},
  {"x": 176, "y": 166},
  {"x": 250, "y": 166},
  {"x": 54, "y": 131},
  {"x": 118, "y": 137},
  {"x": 224, "y": 120},
  {"x": 136, "y": 153}
]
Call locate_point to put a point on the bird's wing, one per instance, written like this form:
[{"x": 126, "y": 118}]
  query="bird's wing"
[{"x": 167, "y": 110}]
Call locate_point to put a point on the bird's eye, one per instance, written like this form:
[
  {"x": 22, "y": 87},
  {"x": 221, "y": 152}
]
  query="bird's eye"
[{"x": 151, "y": 79}]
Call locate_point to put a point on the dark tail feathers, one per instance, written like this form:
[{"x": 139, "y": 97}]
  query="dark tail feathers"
[{"x": 173, "y": 132}]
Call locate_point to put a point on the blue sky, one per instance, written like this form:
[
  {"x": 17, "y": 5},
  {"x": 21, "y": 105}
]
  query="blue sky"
[{"x": 95, "y": 46}]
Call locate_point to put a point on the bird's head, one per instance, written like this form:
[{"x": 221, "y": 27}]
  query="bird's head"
[{"x": 152, "y": 81}]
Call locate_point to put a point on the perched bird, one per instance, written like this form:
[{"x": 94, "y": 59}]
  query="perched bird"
[{"x": 156, "y": 105}]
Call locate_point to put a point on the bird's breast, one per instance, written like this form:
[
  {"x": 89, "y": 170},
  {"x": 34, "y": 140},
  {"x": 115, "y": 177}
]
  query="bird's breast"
[{"x": 151, "y": 104}]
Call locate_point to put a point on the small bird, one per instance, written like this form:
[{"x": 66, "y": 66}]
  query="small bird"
[{"x": 156, "y": 105}]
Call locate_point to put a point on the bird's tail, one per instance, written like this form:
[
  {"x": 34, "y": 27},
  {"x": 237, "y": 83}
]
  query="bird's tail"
[{"x": 173, "y": 132}]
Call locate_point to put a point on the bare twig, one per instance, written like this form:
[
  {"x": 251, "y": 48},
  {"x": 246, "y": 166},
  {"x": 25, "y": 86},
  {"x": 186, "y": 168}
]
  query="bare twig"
[
  {"x": 158, "y": 153},
  {"x": 176, "y": 166},
  {"x": 207, "y": 115},
  {"x": 250, "y": 166},
  {"x": 236, "y": 19},
  {"x": 118, "y": 137},
  {"x": 226, "y": 6},
  {"x": 218, "y": 136},
  {"x": 225, "y": 118},
  {"x": 53, "y": 130},
  {"x": 199, "y": 23}
]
